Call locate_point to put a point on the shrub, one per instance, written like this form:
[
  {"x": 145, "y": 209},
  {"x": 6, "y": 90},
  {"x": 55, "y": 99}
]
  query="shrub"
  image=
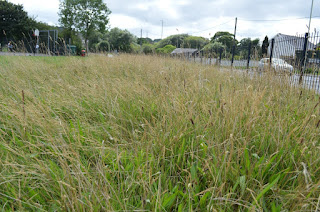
[
  {"x": 103, "y": 46},
  {"x": 166, "y": 50},
  {"x": 147, "y": 49}
]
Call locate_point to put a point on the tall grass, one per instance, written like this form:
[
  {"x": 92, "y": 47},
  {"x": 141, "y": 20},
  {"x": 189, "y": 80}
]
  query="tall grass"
[{"x": 148, "y": 133}]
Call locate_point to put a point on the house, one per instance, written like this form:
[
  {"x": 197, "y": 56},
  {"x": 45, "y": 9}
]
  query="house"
[
  {"x": 185, "y": 52},
  {"x": 288, "y": 45}
]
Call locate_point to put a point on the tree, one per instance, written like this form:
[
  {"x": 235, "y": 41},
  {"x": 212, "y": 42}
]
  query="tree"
[
  {"x": 14, "y": 21},
  {"x": 194, "y": 42},
  {"x": 175, "y": 40},
  {"x": 225, "y": 38},
  {"x": 243, "y": 47},
  {"x": 120, "y": 40},
  {"x": 147, "y": 48},
  {"x": 214, "y": 48},
  {"x": 103, "y": 46},
  {"x": 141, "y": 41},
  {"x": 244, "y": 44},
  {"x": 166, "y": 50},
  {"x": 85, "y": 16},
  {"x": 220, "y": 34},
  {"x": 265, "y": 45},
  {"x": 95, "y": 38}
]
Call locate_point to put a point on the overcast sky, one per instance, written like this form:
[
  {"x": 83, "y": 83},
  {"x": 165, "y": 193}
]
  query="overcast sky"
[{"x": 197, "y": 17}]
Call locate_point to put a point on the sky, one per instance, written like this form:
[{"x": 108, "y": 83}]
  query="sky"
[{"x": 256, "y": 19}]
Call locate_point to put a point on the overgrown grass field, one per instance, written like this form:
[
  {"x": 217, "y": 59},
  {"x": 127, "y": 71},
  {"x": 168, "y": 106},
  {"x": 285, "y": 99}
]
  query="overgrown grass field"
[{"x": 156, "y": 134}]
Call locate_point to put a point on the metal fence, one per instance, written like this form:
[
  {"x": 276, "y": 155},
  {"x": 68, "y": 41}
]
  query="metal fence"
[
  {"x": 47, "y": 43},
  {"x": 297, "y": 57}
]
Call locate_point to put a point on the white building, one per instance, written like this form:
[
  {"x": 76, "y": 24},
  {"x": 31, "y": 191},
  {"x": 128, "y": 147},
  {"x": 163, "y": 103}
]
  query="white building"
[{"x": 286, "y": 45}]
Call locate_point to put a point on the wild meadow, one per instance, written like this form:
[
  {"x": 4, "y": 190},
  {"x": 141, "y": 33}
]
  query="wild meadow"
[{"x": 148, "y": 133}]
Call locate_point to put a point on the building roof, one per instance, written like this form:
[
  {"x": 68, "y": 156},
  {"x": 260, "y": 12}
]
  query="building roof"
[
  {"x": 184, "y": 51},
  {"x": 294, "y": 41}
]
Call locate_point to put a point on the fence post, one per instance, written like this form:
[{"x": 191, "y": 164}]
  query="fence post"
[
  {"x": 220, "y": 56},
  {"x": 232, "y": 57},
  {"x": 234, "y": 43},
  {"x": 303, "y": 60},
  {"x": 271, "y": 52},
  {"x": 249, "y": 52}
]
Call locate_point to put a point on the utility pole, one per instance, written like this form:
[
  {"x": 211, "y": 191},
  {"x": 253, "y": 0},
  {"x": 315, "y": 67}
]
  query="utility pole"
[
  {"x": 161, "y": 29},
  {"x": 234, "y": 42},
  {"x": 306, "y": 54},
  {"x": 141, "y": 38}
]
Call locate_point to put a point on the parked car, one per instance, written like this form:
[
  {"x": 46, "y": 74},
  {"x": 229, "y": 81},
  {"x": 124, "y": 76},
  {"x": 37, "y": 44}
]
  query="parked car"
[{"x": 277, "y": 65}]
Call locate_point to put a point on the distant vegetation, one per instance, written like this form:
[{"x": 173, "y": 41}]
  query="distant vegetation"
[{"x": 89, "y": 30}]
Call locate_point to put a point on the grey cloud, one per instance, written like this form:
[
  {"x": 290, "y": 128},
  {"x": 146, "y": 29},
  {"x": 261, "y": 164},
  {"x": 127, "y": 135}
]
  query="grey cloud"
[{"x": 194, "y": 10}]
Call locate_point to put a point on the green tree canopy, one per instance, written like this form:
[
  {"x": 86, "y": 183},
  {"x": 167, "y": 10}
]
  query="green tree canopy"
[
  {"x": 166, "y": 50},
  {"x": 120, "y": 40},
  {"x": 225, "y": 38},
  {"x": 265, "y": 45},
  {"x": 103, "y": 46},
  {"x": 194, "y": 42},
  {"x": 147, "y": 48},
  {"x": 244, "y": 45},
  {"x": 14, "y": 21},
  {"x": 85, "y": 16},
  {"x": 214, "y": 48},
  {"x": 144, "y": 41},
  {"x": 175, "y": 40},
  {"x": 220, "y": 34}
]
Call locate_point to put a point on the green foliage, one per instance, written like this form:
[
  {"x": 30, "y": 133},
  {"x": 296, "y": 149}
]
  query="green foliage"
[
  {"x": 103, "y": 46},
  {"x": 135, "y": 48},
  {"x": 43, "y": 26},
  {"x": 194, "y": 42},
  {"x": 214, "y": 48},
  {"x": 226, "y": 38},
  {"x": 120, "y": 40},
  {"x": 265, "y": 45},
  {"x": 175, "y": 40},
  {"x": 147, "y": 48},
  {"x": 85, "y": 16},
  {"x": 14, "y": 21},
  {"x": 147, "y": 133},
  {"x": 166, "y": 50},
  {"x": 95, "y": 38},
  {"x": 244, "y": 45},
  {"x": 142, "y": 41},
  {"x": 220, "y": 34}
]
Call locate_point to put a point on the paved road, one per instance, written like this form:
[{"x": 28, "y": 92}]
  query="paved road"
[
  {"x": 225, "y": 63},
  {"x": 310, "y": 81}
]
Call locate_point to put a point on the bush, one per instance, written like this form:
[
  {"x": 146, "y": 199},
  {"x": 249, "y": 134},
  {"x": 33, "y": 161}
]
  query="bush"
[
  {"x": 135, "y": 48},
  {"x": 166, "y": 50},
  {"x": 147, "y": 49},
  {"x": 103, "y": 46},
  {"x": 311, "y": 71}
]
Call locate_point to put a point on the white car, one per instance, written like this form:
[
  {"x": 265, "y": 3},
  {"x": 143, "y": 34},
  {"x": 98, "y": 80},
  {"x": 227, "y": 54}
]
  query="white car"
[{"x": 277, "y": 65}]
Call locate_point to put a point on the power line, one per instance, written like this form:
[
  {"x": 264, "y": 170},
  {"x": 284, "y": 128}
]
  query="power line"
[
  {"x": 210, "y": 27},
  {"x": 276, "y": 20}
]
